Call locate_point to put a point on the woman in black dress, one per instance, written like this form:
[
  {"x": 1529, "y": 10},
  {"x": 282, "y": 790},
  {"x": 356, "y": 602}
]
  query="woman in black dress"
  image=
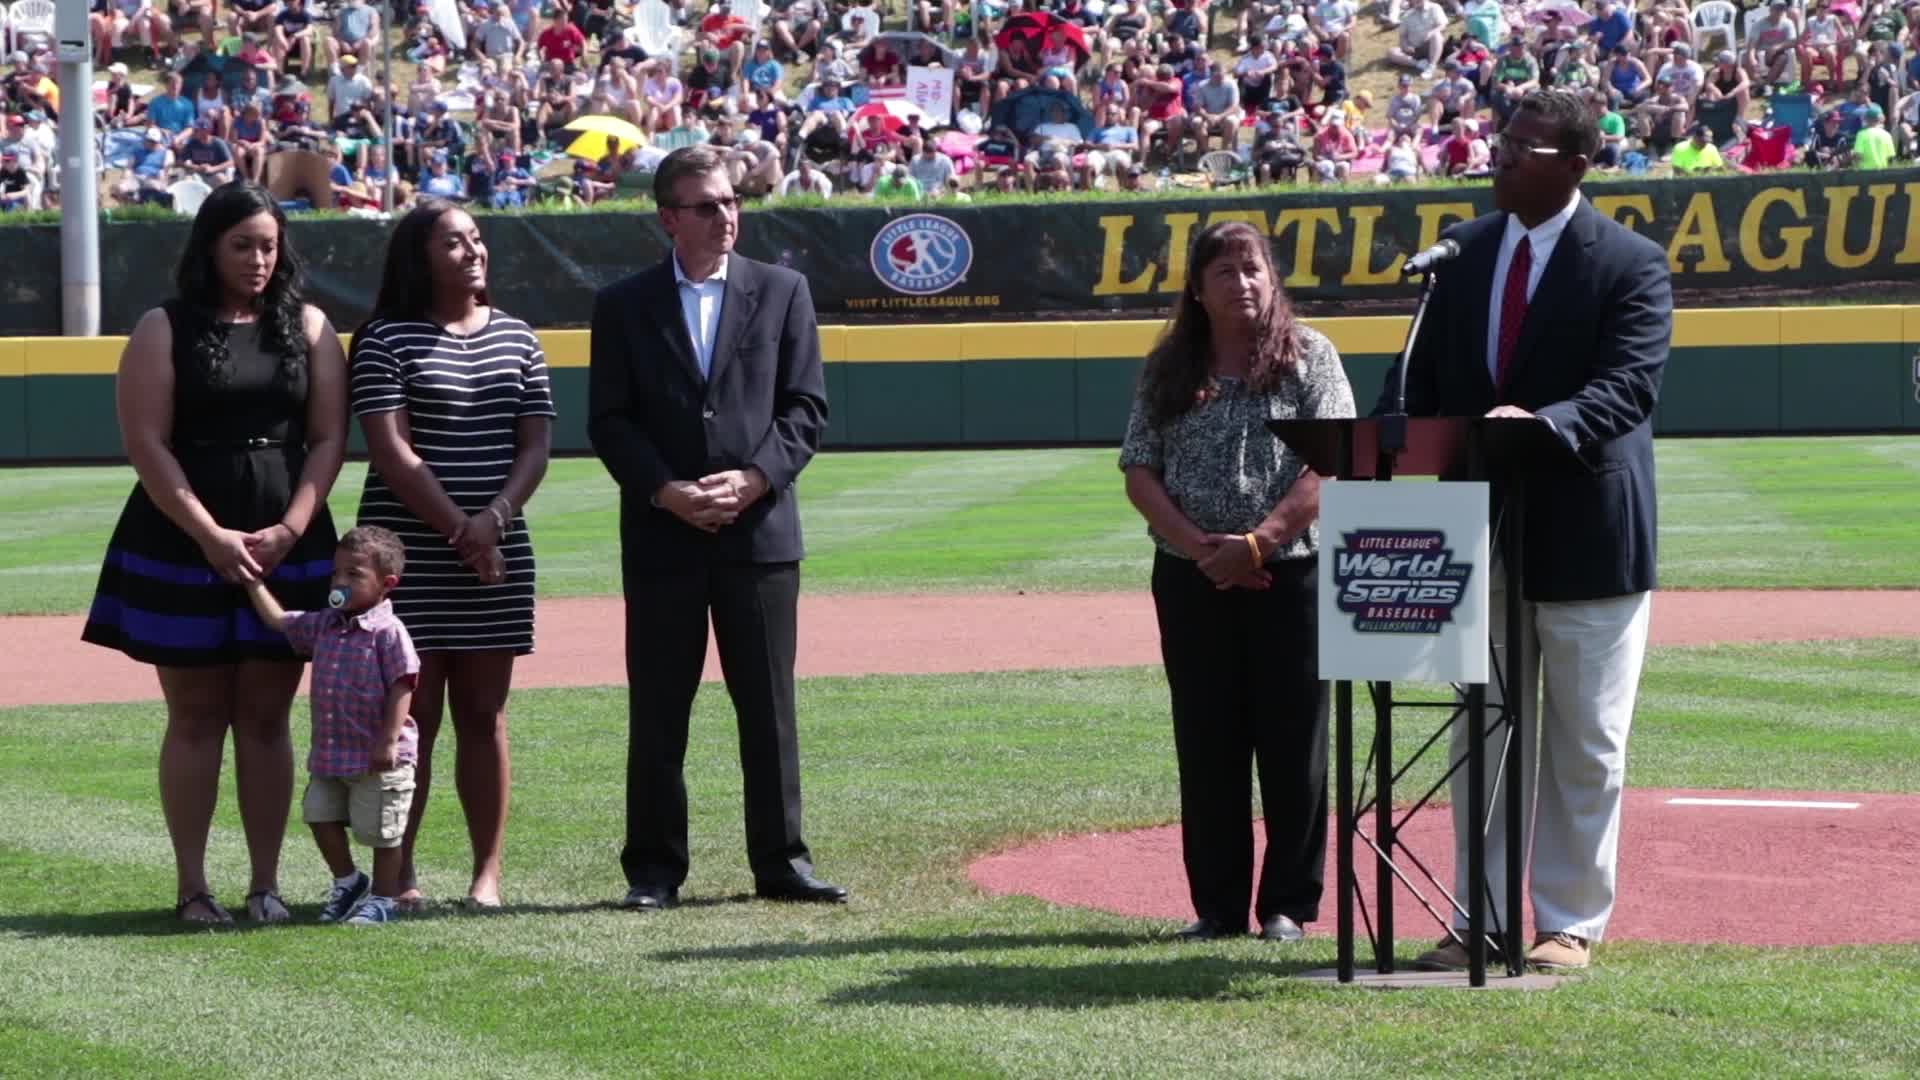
[
  {"x": 452, "y": 394},
  {"x": 1231, "y": 510},
  {"x": 232, "y": 405}
]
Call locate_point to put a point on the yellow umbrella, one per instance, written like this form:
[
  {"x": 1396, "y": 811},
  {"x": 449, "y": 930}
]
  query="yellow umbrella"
[{"x": 601, "y": 135}]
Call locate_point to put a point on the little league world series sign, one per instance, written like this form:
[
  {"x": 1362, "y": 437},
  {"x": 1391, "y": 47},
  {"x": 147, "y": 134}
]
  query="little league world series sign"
[
  {"x": 1403, "y": 581},
  {"x": 1398, "y": 581}
]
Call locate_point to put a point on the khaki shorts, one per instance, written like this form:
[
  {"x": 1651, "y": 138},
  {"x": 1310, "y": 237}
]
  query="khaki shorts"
[{"x": 375, "y": 805}]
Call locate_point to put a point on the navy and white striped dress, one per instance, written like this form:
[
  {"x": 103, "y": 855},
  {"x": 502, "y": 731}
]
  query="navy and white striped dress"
[{"x": 464, "y": 396}]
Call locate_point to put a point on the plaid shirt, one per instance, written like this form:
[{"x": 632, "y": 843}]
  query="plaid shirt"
[{"x": 355, "y": 659}]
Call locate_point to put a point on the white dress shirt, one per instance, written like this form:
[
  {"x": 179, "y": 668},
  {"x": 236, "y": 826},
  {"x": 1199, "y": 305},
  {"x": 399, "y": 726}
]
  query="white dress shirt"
[
  {"x": 700, "y": 305},
  {"x": 794, "y": 184},
  {"x": 1542, "y": 238}
]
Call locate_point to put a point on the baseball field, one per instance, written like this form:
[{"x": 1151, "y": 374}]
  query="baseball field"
[{"x": 988, "y": 765}]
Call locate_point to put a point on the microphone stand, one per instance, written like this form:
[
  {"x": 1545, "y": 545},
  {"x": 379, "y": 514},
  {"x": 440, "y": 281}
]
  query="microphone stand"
[{"x": 1393, "y": 424}]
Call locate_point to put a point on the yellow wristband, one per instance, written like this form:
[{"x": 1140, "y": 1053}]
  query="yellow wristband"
[{"x": 1253, "y": 548}]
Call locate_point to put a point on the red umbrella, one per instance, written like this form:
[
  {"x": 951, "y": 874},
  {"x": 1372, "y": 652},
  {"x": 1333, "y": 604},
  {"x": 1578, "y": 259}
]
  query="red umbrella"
[
  {"x": 1034, "y": 27},
  {"x": 893, "y": 113}
]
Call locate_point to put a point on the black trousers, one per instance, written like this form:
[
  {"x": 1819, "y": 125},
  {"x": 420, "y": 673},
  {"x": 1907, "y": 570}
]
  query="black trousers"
[
  {"x": 753, "y": 612},
  {"x": 1243, "y": 670}
]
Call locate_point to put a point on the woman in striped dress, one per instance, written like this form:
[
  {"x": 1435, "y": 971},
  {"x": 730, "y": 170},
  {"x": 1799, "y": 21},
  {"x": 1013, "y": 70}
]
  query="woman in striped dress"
[{"x": 452, "y": 395}]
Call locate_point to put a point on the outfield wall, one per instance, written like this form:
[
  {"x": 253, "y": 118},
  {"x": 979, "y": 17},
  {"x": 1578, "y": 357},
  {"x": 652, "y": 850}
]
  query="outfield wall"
[{"x": 1734, "y": 370}]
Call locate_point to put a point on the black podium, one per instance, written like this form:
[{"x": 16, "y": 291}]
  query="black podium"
[{"x": 1504, "y": 452}]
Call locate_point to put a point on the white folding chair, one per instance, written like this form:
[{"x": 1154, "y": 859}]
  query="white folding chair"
[
  {"x": 754, "y": 14},
  {"x": 30, "y": 18},
  {"x": 654, "y": 29},
  {"x": 188, "y": 194},
  {"x": 1714, "y": 19},
  {"x": 1748, "y": 22}
]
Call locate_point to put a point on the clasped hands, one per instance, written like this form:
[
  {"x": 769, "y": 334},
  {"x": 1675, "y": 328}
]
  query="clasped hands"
[
  {"x": 1229, "y": 563},
  {"x": 714, "y": 501},
  {"x": 477, "y": 540},
  {"x": 239, "y": 557}
]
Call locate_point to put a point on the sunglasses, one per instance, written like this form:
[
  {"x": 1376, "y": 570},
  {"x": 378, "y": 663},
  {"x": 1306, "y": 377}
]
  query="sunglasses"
[
  {"x": 1511, "y": 149},
  {"x": 731, "y": 204}
]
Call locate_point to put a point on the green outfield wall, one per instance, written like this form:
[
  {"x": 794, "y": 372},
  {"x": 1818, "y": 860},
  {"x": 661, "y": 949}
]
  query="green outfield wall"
[{"x": 1734, "y": 370}]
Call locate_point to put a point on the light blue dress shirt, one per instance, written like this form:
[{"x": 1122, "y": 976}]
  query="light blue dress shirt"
[{"x": 700, "y": 305}]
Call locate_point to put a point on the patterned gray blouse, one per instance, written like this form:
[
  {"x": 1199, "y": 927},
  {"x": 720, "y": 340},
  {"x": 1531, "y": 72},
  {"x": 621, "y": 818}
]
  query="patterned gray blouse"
[{"x": 1220, "y": 464}]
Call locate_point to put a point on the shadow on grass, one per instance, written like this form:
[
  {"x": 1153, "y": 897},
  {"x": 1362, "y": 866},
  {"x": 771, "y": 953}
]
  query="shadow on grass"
[
  {"x": 950, "y": 943},
  {"x": 155, "y": 922},
  {"x": 145, "y": 922},
  {"x": 1194, "y": 977}
]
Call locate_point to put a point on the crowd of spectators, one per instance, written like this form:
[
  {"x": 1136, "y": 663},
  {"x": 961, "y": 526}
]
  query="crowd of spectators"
[{"x": 809, "y": 96}]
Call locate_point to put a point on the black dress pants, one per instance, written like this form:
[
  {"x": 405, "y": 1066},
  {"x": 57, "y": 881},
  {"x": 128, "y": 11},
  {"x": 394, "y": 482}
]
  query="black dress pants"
[
  {"x": 1243, "y": 670},
  {"x": 753, "y": 612}
]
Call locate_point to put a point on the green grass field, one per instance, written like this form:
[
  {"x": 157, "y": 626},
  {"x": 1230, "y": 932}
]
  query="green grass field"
[
  {"x": 907, "y": 778},
  {"x": 1765, "y": 513}
]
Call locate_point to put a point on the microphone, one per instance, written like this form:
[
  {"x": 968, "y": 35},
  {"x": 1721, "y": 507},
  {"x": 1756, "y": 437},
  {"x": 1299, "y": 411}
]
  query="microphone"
[{"x": 1432, "y": 257}]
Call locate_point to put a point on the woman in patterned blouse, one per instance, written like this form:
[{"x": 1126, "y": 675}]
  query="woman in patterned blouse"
[{"x": 1231, "y": 511}]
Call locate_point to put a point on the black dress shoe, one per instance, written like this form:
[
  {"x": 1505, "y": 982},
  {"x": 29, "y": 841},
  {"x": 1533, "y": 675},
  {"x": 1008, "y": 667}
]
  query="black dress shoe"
[
  {"x": 1281, "y": 928},
  {"x": 1210, "y": 929},
  {"x": 650, "y": 898},
  {"x": 802, "y": 889}
]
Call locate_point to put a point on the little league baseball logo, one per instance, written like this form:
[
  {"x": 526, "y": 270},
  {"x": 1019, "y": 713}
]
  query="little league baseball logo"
[
  {"x": 921, "y": 254},
  {"x": 1398, "y": 581}
]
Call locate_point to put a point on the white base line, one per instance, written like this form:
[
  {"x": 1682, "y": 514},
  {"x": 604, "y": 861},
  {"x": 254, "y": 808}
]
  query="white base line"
[{"x": 1793, "y": 804}]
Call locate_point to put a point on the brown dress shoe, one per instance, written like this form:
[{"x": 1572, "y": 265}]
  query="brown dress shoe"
[
  {"x": 1451, "y": 955},
  {"x": 1560, "y": 952}
]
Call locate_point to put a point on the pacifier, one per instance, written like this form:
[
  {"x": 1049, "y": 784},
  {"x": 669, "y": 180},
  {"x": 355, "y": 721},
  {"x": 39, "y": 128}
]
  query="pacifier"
[{"x": 337, "y": 598}]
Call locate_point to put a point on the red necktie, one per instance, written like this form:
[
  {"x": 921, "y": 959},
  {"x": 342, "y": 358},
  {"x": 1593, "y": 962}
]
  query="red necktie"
[{"x": 1513, "y": 309}]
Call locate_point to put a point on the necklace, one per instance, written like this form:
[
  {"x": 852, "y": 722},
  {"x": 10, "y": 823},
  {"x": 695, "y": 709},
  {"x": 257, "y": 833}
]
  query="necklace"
[{"x": 460, "y": 337}]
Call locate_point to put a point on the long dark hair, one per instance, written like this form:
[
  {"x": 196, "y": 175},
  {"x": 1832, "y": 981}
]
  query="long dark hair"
[
  {"x": 280, "y": 308},
  {"x": 1176, "y": 371},
  {"x": 406, "y": 283}
]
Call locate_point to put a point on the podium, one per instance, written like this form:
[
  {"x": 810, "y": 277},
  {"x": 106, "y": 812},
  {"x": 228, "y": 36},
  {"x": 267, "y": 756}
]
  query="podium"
[{"x": 1502, "y": 452}]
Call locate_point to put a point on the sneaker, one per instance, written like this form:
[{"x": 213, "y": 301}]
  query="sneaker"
[
  {"x": 373, "y": 911},
  {"x": 1560, "y": 952},
  {"x": 342, "y": 899}
]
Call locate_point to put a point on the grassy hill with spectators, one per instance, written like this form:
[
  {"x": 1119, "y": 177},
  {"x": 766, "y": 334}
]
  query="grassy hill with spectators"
[{"x": 1369, "y": 72}]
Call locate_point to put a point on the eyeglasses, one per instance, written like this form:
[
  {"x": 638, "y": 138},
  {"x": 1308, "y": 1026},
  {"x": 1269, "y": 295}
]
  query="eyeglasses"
[
  {"x": 731, "y": 204},
  {"x": 1508, "y": 148}
]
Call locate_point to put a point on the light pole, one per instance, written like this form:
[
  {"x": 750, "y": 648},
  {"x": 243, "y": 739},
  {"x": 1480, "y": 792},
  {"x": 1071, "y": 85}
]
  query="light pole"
[
  {"x": 386, "y": 80},
  {"x": 79, "y": 192}
]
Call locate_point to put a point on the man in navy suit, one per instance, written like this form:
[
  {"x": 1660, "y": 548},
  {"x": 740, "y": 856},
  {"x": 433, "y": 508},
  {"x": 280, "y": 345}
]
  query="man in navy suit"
[
  {"x": 1555, "y": 312},
  {"x": 705, "y": 400}
]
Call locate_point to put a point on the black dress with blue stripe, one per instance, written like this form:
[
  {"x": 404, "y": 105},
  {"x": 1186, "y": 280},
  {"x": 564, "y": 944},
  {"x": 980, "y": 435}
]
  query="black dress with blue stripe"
[{"x": 239, "y": 432}]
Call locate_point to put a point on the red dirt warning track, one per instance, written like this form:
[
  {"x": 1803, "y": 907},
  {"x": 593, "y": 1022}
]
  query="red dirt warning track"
[
  {"x": 44, "y": 662},
  {"x": 1747, "y": 875}
]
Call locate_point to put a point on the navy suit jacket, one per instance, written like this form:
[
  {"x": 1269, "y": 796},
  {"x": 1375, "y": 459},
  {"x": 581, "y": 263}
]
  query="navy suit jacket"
[
  {"x": 652, "y": 418},
  {"x": 1591, "y": 353}
]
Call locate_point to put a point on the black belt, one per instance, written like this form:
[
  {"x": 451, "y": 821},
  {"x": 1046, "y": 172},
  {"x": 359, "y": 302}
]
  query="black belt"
[{"x": 257, "y": 442}]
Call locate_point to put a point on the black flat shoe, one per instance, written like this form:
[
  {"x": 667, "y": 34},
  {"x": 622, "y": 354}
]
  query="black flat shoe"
[
  {"x": 1281, "y": 928},
  {"x": 801, "y": 889},
  {"x": 1209, "y": 930},
  {"x": 650, "y": 898}
]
